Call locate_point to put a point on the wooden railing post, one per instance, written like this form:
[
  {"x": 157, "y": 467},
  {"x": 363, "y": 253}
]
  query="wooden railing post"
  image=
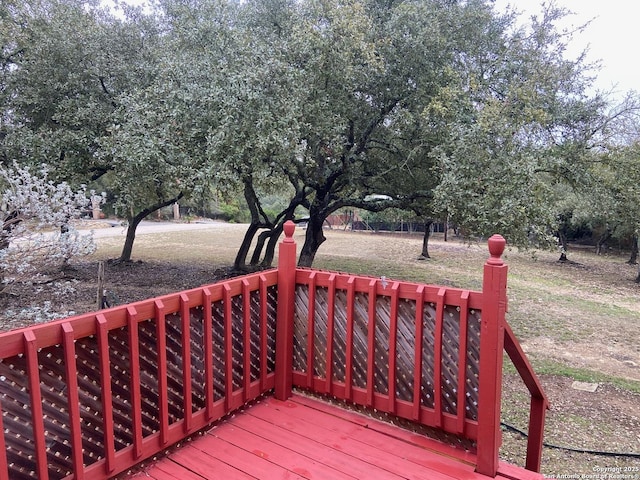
[
  {"x": 286, "y": 303},
  {"x": 494, "y": 305}
]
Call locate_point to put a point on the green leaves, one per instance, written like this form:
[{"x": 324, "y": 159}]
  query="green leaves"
[{"x": 444, "y": 106}]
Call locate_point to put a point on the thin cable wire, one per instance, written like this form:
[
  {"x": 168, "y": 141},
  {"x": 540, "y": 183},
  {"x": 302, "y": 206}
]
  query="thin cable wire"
[{"x": 571, "y": 449}]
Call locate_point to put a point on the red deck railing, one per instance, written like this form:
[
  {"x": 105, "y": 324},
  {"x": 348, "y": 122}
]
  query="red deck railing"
[{"x": 93, "y": 395}]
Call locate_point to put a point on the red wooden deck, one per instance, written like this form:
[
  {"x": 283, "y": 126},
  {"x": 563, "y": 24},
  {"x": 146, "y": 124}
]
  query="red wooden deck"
[
  {"x": 91, "y": 396},
  {"x": 306, "y": 438}
]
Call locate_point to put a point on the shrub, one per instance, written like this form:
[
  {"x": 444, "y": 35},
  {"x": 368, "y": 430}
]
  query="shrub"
[{"x": 37, "y": 237}]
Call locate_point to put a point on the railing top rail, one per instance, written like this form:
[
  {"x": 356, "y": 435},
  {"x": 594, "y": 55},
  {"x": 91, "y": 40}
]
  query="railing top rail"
[
  {"x": 382, "y": 285},
  {"x": 523, "y": 366}
]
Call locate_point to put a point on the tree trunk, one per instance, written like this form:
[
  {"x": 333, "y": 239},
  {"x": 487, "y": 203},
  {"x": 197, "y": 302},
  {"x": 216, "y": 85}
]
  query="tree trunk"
[
  {"x": 313, "y": 239},
  {"x": 633, "y": 260},
  {"x": 606, "y": 235},
  {"x": 258, "y": 220},
  {"x": 134, "y": 221},
  {"x": 562, "y": 238},
  {"x": 446, "y": 229},
  {"x": 270, "y": 251},
  {"x": 257, "y": 250},
  {"x": 638, "y": 277},
  {"x": 425, "y": 240},
  {"x": 241, "y": 257},
  {"x": 127, "y": 249}
]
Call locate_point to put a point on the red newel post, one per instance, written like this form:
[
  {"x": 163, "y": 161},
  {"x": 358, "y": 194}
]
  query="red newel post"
[
  {"x": 286, "y": 303},
  {"x": 494, "y": 306}
]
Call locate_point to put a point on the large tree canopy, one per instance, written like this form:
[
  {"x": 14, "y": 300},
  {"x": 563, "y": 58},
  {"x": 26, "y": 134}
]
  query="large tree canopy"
[
  {"x": 445, "y": 108},
  {"x": 528, "y": 126},
  {"x": 96, "y": 97}
]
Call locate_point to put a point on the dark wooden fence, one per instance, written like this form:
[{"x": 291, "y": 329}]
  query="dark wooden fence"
[{"x": 93, "y": 395}]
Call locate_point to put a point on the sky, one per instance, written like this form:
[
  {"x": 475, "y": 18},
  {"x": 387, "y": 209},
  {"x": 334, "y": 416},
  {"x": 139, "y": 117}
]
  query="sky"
[{"x": 612, "y": 37}]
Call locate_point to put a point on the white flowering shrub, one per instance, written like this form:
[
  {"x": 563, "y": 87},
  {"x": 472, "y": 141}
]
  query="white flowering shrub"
[
  {"x": 27, "y": 315},
  {"x": 37, "y": 237}
]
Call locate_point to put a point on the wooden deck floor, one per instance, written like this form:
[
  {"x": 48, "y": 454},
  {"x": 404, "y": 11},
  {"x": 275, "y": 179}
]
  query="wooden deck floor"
[{"x": 303, "y": 438}]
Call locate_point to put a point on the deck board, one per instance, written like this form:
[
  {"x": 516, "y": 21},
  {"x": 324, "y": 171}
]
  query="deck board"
[
  {"x": 383, "y": 457},
  {"x": 249, "y": 462},
  {"x": 327, "y": 451},
  {"x": 304, "y": 438}
]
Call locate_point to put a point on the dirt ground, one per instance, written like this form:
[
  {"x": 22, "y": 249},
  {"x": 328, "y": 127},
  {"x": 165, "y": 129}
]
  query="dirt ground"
[{"x": 607, "y": 420}]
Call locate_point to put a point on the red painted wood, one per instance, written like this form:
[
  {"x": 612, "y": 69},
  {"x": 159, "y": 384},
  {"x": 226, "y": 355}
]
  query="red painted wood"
[
  {"x": 310, "y": 439},
  {"x": 384, "y": 428},
  {"x": 371, "y": 341},
  {"x": 163, "y": 400},
  {"x": 4, "y": 465},
  {"x": 185, "y": 321},
  {"x": 404, "y": 409},
  {"x": 311, "y": 332},
  {"x": 48, "y": 334},
  {"x": 170, "y": 471},
  {"x": 246, "y": 336},
  {"x": 101, "y": 324},
  {"x": 522, "y": 364},
  {"x": 289, "y": 459},
  {"x": 263, "y": 332},
  {"x": 368, "y": 450},
  {"x": 512, "y": 472},
  {"x": 437, "y": 356},
  {"x": 393, "y": 337},
  {"x": 208, "y": 352},
  {"x": 205, "y": 465},
  {"x": 286, "y": 308},
  {"x": 494, "y": 290},
  {"x": 331, "y": 300},
  {"x": 348, "y": 375},
  {"x": 136, "y": 398},
  {"x": 536, "y": 432},
  {"x": 256, "y": 464},
  {"x": 462, "y": 362},
  {"x": 228, "y": 347},
  {"x": 486, "y": 429},
  {"x": 337, "y": 456},
  {"x": 151, "y": 445},
  {"x": 105, "y": 383},
  {"x": 417, "y": 366},
  {"x": 71, "y": 379},
  {"x": 406, "y": 289},
  {"x": 35, "y": 396}
]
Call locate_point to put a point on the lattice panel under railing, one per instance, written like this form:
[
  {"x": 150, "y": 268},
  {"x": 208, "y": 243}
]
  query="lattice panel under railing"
[
  {"x": 448, "y": 346},
  {"x": 241, "y": 321},
  {"x": 320, "y": 332},
  {"x": 381, "y": 352},
  {"x": 360, "y": 336},
  {"x": 427, "y": 397},
  {"x": 472, "y": 364}
]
